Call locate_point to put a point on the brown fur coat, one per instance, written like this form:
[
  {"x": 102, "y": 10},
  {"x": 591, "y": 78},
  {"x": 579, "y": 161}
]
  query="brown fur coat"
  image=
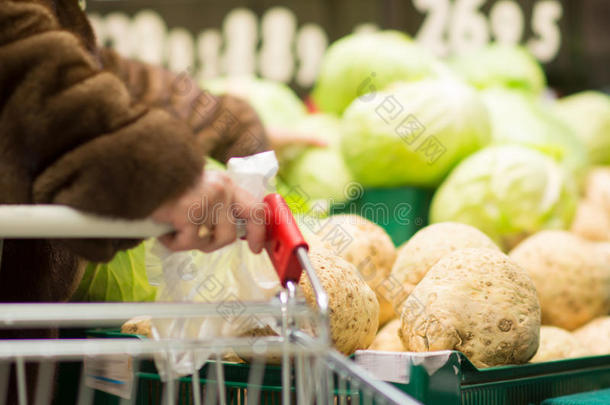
[{"x": 87, "y": 129}]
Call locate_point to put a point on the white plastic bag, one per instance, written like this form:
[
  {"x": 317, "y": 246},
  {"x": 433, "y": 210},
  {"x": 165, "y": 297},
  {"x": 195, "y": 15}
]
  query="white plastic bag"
[{"x": 226, "y": 278}]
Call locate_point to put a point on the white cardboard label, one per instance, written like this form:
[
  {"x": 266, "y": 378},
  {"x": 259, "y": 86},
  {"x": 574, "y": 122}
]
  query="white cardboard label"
[
  {"x": 396, "y": 366},
  {"x": 385, "y": 366},
  {"x": 112, "y": 374}
]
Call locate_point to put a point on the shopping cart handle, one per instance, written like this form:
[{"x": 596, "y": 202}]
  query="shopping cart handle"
[
  {"x": 288, "y": 249},
  {"x": 58, "y": 221},
  {"x": 283, "y": 239}
]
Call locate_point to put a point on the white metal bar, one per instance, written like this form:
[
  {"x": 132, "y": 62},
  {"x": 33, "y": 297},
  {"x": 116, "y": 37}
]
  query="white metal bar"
[
  {"x": 316, "y": 284},
  {"x": 255, "y": 380},
  {"x": 36, "y": 315},
  {"x": 64, "y": 349},
  {"x": 57, "y": 221},
  {"x": 330, "y": 384},
  {"x": 220, "y": 380},
  {"x": 196, "y": 388},
  {"x": 170, "y": 393},
  {"x": 210, "y": 386},
  {"x": 300, "y": 382},
  {"x": 318, "y": 372}
]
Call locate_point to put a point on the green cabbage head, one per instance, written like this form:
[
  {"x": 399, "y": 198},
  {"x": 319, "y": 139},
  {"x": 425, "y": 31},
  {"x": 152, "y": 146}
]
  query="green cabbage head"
[
  {"x": 320, "y": 172},
  {"x": 519, "y": 119},
  {"x": 413, "y": 133},
  {"x": 509, "y": 66},
  {"x": 276, "y": 104},
  {"x": 365, "y": 62},
  {"x": 508, "y": 192},
  {"x": 213, "y": 164},
  {"x": 123, "y": 279},
  {"x": 588, "y": 114}
]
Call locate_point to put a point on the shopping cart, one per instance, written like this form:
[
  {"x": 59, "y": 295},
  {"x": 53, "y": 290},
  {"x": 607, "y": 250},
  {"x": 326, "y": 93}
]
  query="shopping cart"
[{"x": 310, "y": 371}]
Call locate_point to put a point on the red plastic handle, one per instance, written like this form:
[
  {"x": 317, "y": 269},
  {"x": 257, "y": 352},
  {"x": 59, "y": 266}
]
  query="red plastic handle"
[{"x": 283, "y": 239}]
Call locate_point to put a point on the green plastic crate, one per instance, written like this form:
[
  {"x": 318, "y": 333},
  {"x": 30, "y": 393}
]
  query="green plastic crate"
[
  {"x": 401, "y": 211},
  {"x": 599, "y": 397},
  {"x": 149, "y": 390},
  {"x": 459, "y": 382}
]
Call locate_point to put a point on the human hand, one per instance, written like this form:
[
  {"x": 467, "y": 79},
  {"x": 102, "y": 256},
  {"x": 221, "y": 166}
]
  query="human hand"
[{"x": 206, "y": 216}]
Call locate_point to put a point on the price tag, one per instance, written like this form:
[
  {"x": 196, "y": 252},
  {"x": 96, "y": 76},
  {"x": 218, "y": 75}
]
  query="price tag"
[
  {"x": 396, "y": 366},
  {"x": 112, "y": 374},
  {"x": 287, "y": 43}
]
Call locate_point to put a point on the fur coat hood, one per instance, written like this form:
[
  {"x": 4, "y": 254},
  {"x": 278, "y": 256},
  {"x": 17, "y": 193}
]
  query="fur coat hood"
[{"x": 86, "y": 128}]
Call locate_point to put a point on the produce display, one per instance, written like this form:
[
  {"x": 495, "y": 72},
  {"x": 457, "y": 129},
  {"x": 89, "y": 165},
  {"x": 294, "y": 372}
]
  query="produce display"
[
  {"x": 320, "y": 172},
  {"x": 557, "y": 344},
  {"x": 572, "y": 276},
  {"x": 518, "y": 118},
  {"x": 427, "y": 247},
  {"x": 353, "y": 306},
  {"x": 515, "y": 264},
  {"x": 592, "y": 219},
  {"x": 497, "y": 65},
  {"x": 508, "y": 192},
  {"x": 140, "y": 325},
  {"x": 370, "y": 250},
  {"x": 387, "y": 338},
  {"x": 595, "y": 336},
  {"x": 588, "y": 114},
  {"x": 451, "y": 184},
  {"x": 122, "y": 279},
  {"x": 275, "y": 103},
  {"x": 413, "y": 133},
  {"x": 362, "y": 63},
  {"x": 477, "y": 301},
  {"x": 598, "y": 187}
]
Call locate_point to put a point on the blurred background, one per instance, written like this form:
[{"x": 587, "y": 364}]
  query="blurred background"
[{"x": 285, "y": 40}]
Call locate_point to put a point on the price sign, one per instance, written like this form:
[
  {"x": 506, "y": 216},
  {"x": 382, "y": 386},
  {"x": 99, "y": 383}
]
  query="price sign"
[
  {"x": 454, "y": 27},
  {"x": 286, "y": 40}
]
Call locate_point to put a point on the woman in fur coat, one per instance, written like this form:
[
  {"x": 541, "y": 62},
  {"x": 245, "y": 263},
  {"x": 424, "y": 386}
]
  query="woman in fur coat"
[{"x": 82, "y": 127}]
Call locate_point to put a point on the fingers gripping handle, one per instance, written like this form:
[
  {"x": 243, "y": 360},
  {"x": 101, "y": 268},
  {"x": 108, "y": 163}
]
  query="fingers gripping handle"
[{"x": 283, "y": 239}]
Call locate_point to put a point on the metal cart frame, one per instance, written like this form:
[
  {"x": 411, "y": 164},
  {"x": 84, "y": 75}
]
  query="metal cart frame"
[{"x": 321, "y": 375}]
